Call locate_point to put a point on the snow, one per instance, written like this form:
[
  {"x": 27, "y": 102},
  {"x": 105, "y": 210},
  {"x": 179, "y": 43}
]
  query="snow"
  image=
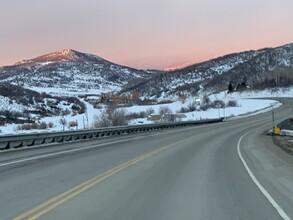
[
  {"x": 73, "y": 92},
  {"x": 223, "y": 68},
  {"x": 268, "y": 93},
  {"x": 286, "y": 133},
  {"x": 175, "y": 106},
  {"x": 6, "y": 104},
  {"x": 45, "y": 63},
  {"x": 84, "y": 120},
  {"x": 246, "y": 105},
  {"x": 245, "y": 108}
]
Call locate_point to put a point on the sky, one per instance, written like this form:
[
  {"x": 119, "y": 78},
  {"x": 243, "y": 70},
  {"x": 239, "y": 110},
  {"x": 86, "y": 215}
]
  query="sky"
[{"x": 148, "y": 34}]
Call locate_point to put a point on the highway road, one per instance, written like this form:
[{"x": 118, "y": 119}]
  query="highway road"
[{"x": 229, "y": 170}]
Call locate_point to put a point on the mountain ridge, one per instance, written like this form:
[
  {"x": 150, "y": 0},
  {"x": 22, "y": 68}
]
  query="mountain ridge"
[
  {"x": 74, "y": 70},
  {"x": 215, "y": 75},
  {"x": 70, "y": 69}
]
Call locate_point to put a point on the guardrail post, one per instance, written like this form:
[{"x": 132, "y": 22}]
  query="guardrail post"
[{"x": 5, "y": 145}]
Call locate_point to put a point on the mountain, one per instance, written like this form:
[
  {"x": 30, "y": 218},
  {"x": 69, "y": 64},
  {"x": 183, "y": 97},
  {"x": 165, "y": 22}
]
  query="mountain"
[
  {"x": 75, "y": 71},
  {"x": 251, "y": 67},
  {"x": 71, "y": 70}
]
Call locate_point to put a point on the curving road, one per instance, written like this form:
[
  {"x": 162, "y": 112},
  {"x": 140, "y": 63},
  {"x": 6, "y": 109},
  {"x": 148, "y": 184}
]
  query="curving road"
[{"x": 221, "y": 171}]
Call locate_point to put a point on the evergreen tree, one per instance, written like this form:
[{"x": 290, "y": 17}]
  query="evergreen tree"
[{"x": 230, "y": 87}]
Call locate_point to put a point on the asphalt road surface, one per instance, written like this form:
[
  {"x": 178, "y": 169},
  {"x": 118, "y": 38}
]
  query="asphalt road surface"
[{"x": 229, "y": 170}]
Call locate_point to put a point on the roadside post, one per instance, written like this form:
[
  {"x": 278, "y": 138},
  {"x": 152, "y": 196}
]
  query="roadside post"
[
  {"x": 273, "y": 116},
  {"x": 218, "y": 106},
  {"x": 276, "y": 130},
  {"x": 224, "y": 111}
]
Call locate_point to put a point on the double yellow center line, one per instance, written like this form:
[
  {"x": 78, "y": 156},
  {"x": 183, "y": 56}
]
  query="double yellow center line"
[{"x": 49, "y": 205}]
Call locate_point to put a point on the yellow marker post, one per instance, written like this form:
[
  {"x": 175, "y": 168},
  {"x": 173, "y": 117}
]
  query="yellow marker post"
[{"x": 277, "y": 131}]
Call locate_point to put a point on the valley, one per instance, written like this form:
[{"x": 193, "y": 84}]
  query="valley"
[{"x": 67, "y": 90}]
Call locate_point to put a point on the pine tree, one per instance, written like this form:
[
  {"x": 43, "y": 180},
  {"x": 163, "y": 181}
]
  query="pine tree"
[{"x": 230, "y": 87}]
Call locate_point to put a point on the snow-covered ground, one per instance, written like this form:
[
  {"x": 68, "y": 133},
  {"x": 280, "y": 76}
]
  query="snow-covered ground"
[
  {"x": 246, "y": 105},
  {"x": 283, "y": 92},
  {"x": 6, "y": 103},
  {"x": 71, "y": 92}
]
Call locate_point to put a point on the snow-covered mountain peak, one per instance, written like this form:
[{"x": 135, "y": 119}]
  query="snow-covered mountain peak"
[
  {"x": 60, "y": 56},
  {"x": 72, "y": 70},
  {"x": 67, "y": 52}
]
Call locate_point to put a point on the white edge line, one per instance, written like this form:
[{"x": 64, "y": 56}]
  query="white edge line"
[
  {"x": 66, "y": 151},
  {"x": 257, "y": 183}
]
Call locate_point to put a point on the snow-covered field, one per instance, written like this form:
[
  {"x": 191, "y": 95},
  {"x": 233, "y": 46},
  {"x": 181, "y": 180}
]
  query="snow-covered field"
[
  {"x": 246, "y": 105},
  {"x": 70, "y": 92}
]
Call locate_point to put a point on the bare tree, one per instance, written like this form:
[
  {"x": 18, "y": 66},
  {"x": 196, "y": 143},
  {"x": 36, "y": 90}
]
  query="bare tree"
[
  {"x": 111, "y": 117},
  {"x": 165, "y": 110},
  {"x": 149, "y": 111},
  {"x": 63, "y": 122}
]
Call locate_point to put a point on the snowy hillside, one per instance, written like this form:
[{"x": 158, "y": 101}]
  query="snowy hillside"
[
  {"x": 253, "y": 67},
  {"x": 70, "y": 70},
  {"x": 19, "y": 105}
]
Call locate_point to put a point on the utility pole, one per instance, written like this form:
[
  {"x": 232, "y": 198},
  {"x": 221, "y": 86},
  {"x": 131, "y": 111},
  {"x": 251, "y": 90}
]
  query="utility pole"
[
  {"x": 224, "y": 111},
  {"x": 83, "y": 122},
  {"x": 219, "y": 110},
  {"x": 273, "y": 116},
  {"x": 87, "y": 119}
]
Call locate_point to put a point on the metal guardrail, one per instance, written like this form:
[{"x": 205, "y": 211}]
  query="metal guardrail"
[{"x": 30, "y": 140}]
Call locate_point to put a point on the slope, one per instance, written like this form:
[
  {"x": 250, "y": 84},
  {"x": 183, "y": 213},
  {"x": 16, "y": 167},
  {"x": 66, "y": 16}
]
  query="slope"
[
  {"x": 253, "y": 67},
  {"x": 71, "y": 70}
]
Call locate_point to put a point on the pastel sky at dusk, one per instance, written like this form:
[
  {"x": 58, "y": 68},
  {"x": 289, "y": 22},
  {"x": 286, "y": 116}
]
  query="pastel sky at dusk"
[{"x": 142, "y": 33}]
